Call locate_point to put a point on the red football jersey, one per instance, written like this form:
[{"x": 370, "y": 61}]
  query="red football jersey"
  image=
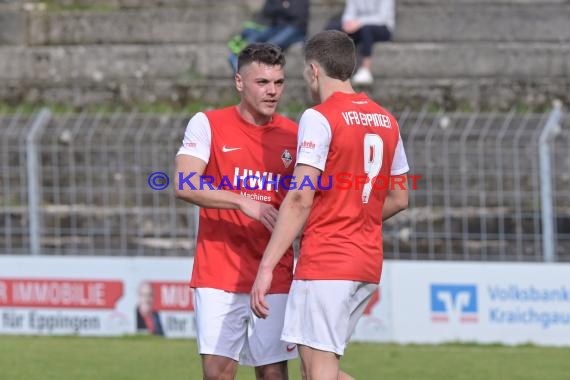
[
  {"x": 249, "y": 160},
  {"x": 353, "y": 141}
]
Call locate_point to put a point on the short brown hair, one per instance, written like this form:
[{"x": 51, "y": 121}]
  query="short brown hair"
[
  {"x": 334, "y": 51},
  {"x": 261, "y": 52}
]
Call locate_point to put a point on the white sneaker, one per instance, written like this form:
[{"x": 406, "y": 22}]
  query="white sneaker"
[{"x": 362, "y": 77}]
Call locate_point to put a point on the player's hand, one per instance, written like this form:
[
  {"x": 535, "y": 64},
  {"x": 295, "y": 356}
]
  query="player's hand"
[
  {"x": 262, "y": 212},
  {"x": 351, "y": 26},
  {"x": 258, "y": 291}
]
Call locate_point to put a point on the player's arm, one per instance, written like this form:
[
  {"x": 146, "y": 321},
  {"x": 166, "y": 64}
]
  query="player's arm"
[
  {"x": 191, "y": 187},
  {"x": 293, "y": 214},
  {"x": 397, "y": 198},
  {"x": 190, "y": 165},
  {"x": 313, "y": 144}
]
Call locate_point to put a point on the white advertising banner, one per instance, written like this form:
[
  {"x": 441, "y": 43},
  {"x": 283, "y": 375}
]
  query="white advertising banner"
[
  {"x": 510, "y": 303},
  {"x": 417, "y": 302},
  {"x": 115, "y": 296},
  {"x": 95, "y": 296}
]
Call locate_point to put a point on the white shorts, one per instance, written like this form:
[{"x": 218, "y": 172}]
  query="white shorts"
[
  {"x": 322, "y": 314},
  {"x": 226, "y": 326}
]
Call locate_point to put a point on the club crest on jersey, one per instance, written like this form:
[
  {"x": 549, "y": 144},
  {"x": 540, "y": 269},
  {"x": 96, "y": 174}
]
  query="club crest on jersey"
[{"x": 286, "y": 158}]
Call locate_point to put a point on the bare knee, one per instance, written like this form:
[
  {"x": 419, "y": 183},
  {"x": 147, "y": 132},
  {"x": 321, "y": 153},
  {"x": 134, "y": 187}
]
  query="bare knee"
[
  {"x": 275, "y": 371},
  {"x": 217, "y": 373},
  {"x": 344, "y": 376},
  {"x": 218, "y": 368}
]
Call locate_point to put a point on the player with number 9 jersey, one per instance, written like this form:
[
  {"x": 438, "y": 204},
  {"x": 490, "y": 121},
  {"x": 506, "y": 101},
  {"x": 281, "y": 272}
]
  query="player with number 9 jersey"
[
  {"x": 357, "y": 145},
  {"x": 354, "y": 143}
]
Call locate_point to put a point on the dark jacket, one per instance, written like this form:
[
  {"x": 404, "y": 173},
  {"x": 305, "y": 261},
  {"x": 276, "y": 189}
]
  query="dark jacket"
[
  {"x": 287, "y": 12},
  {"x": 141, "y": 324}
]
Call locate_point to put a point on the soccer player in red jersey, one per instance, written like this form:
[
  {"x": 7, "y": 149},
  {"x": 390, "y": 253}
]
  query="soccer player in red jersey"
[
  {"x": 230, "y": 164},
  {"x": 340, "y": 261}
]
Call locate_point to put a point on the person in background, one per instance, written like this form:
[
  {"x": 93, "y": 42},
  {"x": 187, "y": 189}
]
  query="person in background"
[
  {"x": 366, "y": 22},
  {"x": 147, "y": 318},
  {"x": 280, "y": 22}
]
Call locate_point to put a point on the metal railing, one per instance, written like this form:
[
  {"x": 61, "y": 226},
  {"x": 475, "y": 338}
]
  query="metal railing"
[{"x": 494, "y": 186}]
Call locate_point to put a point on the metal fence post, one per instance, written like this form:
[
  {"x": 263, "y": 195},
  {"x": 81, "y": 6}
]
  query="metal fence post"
[
  {"x": 32, "y": 172},
  {"x": 550, "y": 129}
]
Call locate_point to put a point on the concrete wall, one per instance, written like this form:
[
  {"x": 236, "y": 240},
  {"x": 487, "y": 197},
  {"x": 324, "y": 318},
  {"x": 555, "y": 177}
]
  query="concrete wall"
[{"x": 477, "y": 52}]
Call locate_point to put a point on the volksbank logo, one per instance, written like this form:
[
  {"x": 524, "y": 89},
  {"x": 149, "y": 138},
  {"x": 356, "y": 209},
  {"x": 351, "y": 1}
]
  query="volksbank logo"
[{"x": 454, "y": 303}]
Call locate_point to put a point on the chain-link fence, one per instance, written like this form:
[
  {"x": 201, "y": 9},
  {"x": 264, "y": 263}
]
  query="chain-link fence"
[
  {"x": 77, "y": 184},
  {"x": 480, "y": 193}
]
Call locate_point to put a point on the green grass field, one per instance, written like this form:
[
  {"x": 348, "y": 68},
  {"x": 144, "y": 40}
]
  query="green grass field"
[{"x": 141, "y": 358}]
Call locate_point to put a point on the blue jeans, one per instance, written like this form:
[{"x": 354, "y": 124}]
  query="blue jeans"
[
  {"x": 282, "y": 36},
  {"x": 365, "y": 37}
]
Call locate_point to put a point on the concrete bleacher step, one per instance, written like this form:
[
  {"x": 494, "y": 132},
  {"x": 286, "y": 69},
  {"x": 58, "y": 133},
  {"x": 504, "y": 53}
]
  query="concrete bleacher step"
[
  {"x": 483, "y": 21},
  {"x": 478, "y": 52},
  {"x": 199, "y": 24},
  {"x": 182, "y": 61},
  {"x": 416, "y": 22},
  {"x": 481, "y": 72}
]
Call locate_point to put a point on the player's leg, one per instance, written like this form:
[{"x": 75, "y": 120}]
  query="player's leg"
[
  {"x": 220, "y": 325},
  {"x": 275, "y": 371},
  {"x": 264, "y": 348},
  {"x": 318, "y": 318},
  {"x": 306, "y": 358},
  {"x": 215, "y": 367},
  {"x": 341, "y": 374},
  {"x": 344, "y": 376},
  {"x": 319, "y": 365}
]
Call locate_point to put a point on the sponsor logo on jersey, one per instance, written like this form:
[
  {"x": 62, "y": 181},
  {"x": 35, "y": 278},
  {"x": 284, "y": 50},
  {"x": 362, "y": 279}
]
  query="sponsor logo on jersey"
[
  {"x": 308, "y": 145},
  {"x": 256, "y": 180},
  {"x": 286, "y": 158},
  {"x": 226, "y": 149}
]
